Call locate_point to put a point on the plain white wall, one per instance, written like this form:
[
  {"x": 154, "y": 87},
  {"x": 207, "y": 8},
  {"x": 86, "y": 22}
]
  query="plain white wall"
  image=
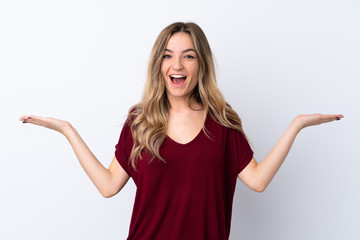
[{"x": 85, "y": 61}]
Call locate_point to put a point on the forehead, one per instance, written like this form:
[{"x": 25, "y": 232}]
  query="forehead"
[{"x": 180, "y": 41}]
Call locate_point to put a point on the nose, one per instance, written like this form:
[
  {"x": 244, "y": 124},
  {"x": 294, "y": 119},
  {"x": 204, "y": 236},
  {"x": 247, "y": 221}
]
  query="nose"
[{"x": 177, "y": 65}]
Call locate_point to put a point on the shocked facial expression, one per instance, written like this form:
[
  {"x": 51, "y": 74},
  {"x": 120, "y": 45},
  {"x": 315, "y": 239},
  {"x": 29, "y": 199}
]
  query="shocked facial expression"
[{"x": 180, "y": 66}]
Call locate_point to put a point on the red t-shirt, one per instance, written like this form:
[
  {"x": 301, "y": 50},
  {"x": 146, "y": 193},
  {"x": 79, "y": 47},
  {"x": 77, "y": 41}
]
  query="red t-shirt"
[{"x": 191, "y": 195}]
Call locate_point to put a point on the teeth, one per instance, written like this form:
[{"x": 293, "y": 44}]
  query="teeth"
[{"x": 177, "y": 76}]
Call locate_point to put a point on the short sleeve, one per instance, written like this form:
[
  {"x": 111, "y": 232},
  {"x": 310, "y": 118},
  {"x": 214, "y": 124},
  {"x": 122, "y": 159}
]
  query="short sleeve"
[
  {"x": 122, "y": 148},
  {"x": 244, "y": 151}
]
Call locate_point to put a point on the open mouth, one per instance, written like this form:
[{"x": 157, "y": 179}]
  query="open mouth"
[{"x": 177, "y": 79}]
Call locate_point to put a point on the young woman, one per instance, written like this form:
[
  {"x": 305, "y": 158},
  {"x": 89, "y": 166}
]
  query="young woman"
[{"x": 183, "y": 145}]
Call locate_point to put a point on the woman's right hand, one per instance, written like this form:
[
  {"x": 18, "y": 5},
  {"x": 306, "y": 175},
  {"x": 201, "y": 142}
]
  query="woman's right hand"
[{"x": 51, "y": 123}]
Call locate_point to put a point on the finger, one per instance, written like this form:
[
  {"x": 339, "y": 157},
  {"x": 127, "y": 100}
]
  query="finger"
[
  {"x": 38, "y": 122},
  {"x": 41, "y": 121},
  {"x": 339, "y": 116},
  {"x": 327, "y": 120},
  {"x": 330, "y": 117},
  {"x": 25, "y": 117}
]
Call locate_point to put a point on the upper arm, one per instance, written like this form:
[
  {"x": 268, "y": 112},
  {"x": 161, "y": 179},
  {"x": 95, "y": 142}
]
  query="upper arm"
[
  {"x": 119, "y": 177},
  {"x": 249, "y": 177}
]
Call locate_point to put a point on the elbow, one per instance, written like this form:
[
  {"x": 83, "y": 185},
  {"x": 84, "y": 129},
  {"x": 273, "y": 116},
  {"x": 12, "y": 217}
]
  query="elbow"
[
  {"x": 108, "y": 190},
  {"x": 259, "y": 188},
  {"x": 107, "y": 193}
]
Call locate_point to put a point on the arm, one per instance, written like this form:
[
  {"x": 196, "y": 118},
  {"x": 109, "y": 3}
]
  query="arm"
[
  {"x": 257, "y": 176},
  {"x": 108, "y": 181}
]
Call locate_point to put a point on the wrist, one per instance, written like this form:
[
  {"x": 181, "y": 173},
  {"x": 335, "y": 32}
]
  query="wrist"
[
  {"x": 297, "y": 124},
  {"x": 67, "y": 130}
]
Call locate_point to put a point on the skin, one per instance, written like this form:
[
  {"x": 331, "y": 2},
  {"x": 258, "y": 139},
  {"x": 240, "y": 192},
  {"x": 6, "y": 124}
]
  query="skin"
[
  {"x": 180, "y": 58},
  {"x": 186, "y": 120}
]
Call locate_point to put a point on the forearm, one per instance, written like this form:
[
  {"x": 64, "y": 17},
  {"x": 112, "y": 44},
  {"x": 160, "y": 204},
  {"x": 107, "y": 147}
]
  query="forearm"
[
  {"x": 268, "y": 167},
  {"x": 258, "y": 175},
  {"x": 98, "y": 174}
]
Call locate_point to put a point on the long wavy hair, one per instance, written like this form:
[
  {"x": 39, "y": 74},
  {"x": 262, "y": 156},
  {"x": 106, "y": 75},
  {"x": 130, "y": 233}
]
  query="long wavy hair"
[{"x": 149, "y": 118}]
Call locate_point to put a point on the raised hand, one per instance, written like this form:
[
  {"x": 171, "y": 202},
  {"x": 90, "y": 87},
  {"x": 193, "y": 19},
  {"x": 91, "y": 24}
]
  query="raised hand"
[
  {"x": 51, "y": 123},
  {"x": 316, "y": 119},
  {"x": 260, "y": 174},
  {"x": 107, "y": 181}
]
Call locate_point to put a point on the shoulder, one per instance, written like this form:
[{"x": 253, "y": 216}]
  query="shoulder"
[
  {"x": 133, "y": 113},
  {"x": 222, "y": 122},
  {"x": 131, "y": 116},
  {"x": 214, "y": 126}
]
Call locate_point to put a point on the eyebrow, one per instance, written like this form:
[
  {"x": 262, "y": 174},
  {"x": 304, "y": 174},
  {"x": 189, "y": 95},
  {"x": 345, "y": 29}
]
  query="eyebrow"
[{"x": 187, "y": 50}]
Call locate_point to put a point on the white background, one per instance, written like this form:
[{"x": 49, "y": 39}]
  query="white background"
[{"x": 85, "y": 61}]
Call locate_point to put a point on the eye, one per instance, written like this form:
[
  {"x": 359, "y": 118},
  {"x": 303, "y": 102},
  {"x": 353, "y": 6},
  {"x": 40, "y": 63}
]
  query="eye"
[
  {"x": 189, "y": 57},
  {"x": 166, "y": 56}
]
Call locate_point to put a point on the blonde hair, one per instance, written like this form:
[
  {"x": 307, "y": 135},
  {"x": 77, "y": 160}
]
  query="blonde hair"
[{"x": 149, "y": 118}]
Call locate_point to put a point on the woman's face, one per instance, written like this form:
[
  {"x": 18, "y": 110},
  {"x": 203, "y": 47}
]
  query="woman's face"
[{"x": 180, "y": 66}]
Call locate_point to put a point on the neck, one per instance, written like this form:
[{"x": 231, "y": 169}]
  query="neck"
[{"x": 183, "y": 104}]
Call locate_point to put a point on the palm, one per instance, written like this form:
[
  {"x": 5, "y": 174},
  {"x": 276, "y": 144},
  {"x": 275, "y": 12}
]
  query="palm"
[
  {"x": 51, "y": 123},
  {"x": 316, "y": 119}
]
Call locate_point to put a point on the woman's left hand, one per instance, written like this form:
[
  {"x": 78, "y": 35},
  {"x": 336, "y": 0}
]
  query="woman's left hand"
[{"x": 316, "y": 119}]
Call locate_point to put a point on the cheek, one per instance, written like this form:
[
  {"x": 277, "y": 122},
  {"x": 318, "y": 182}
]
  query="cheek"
[
  {"x": 195, "y": 69},
  {"x": 163, "y": 69},
  {"x": 164, "y": 75},
  {"x": 195, "y": 72}
]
